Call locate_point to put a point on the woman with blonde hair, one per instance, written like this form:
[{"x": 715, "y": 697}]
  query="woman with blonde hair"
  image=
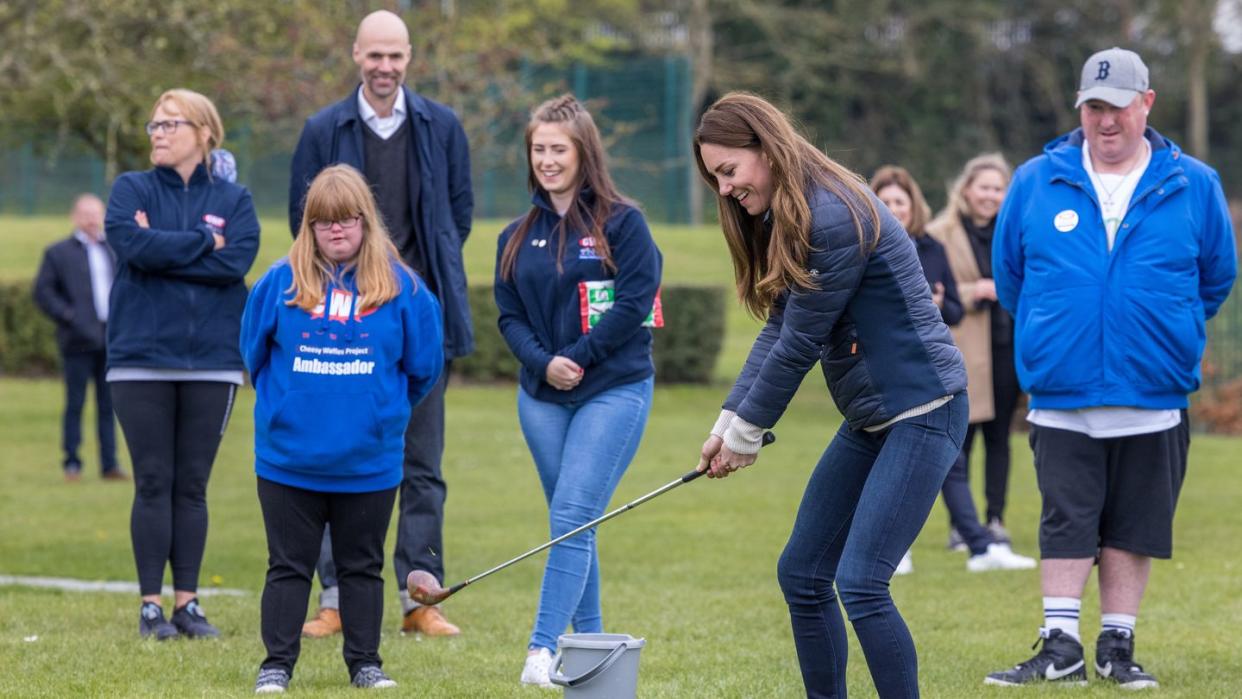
[
  {"x": 341, "y": 339},
  {"x": 840, "y": 285},
  {"x": 184, "y": 240},
  {"x": 985, "y": 334},
  {"x": 576, "y": 282}
]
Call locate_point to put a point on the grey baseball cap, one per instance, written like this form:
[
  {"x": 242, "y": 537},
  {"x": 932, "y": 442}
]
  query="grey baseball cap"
[{"x": 1114, "y": 75}]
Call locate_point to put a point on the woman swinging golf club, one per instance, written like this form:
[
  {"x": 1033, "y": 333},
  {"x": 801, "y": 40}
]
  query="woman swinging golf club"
[
  {"x": 840, "y": 283},
  {"x": 576, "y": 279}
]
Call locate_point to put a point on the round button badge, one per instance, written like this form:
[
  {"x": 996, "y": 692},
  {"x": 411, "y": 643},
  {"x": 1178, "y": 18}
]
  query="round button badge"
[{"x": 1066, "y": 221}]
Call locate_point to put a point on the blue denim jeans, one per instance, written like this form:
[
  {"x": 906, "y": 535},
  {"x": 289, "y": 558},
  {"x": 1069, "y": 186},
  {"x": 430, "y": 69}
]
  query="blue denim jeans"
[
  {"x": 581, "y": 451},
  {"x": 864, "y": 505}
]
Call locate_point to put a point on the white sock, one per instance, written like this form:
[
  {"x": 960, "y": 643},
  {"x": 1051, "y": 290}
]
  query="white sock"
[
  {"x": 1118, "y": 622},
  {"x": 1062, "y": 613}
]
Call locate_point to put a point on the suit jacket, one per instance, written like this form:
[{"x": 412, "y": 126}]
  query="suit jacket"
[{"x": 62, "y": 290}]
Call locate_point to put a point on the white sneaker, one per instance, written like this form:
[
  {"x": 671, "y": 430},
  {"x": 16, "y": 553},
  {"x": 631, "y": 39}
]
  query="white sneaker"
[
  {"x": 537, "y": 668},
  {"x": 906, "y": 566},
  {"x": 998, "y": 557}
]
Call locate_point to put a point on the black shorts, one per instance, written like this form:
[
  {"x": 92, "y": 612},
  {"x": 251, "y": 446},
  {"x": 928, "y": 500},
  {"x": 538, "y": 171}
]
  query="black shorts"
[{"x": 1117, "y": 493}]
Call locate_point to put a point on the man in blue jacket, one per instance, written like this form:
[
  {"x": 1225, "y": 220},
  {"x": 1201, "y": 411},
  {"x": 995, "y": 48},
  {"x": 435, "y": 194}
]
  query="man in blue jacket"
[
  {"x": 1111, "y": 251},
  {"x": 72, "y": 288},
  {"x": 413, "y": 152}
]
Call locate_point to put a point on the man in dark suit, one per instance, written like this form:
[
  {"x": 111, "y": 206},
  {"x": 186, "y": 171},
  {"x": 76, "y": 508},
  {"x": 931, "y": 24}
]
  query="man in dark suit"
[
  {"x": 414, "y": 154},
  {"x": 72, "y": 288}
]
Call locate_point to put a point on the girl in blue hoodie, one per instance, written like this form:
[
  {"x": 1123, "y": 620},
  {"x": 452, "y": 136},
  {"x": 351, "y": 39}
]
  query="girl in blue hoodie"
[
  {"x": 341, "y": 339},
  {"x": 576, "y": 285}
]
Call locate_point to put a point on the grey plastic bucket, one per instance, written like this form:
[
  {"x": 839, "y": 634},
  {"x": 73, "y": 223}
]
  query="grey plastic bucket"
[{"x": 597, "y": 665}]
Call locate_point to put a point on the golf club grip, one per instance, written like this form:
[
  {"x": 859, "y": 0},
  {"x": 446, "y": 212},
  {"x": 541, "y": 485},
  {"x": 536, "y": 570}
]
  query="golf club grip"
[{"x": 768, "y": 437}]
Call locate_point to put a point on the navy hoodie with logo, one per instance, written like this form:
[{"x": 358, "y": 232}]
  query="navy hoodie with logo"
[
  {"x": 335, "y": 385},
  {"x": 541, "y": 309},
  {"x": 176, "y": 301}
]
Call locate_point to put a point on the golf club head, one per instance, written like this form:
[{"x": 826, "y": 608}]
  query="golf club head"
[{"x": 424, "y": 588}]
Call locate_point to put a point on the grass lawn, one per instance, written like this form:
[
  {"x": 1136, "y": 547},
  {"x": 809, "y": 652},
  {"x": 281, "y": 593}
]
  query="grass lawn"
[{"x": 692, "y": 572}]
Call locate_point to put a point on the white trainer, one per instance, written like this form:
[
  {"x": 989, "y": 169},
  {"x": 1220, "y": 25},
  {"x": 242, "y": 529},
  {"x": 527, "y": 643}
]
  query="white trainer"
[
  {"x": 537, "y": 669},
  {"x": 905, "y": 566},
  {"x": 998, "y": 557}
]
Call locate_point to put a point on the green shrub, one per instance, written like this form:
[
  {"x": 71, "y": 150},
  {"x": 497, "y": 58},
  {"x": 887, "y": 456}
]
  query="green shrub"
[
  {"x": 685, "y": 349},
  {"x": 27, "y": 337}
]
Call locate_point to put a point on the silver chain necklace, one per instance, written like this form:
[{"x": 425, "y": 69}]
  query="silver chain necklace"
[{"x": 1109, "y": 193}]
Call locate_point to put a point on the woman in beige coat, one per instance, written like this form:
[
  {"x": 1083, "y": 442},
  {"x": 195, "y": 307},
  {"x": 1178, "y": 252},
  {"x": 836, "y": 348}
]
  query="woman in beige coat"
[{"x": 985, "y": 335}]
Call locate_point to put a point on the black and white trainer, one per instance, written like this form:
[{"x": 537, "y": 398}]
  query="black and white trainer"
[
  {"x": 1060, "y": 660},
  {"x": 151, "y": 622},
  {"x": 272, "y": 680},
  {"x": 371, "y": 677},
  {"x": 191, "y": 621},
  {"x": 1114, "y": 661}
]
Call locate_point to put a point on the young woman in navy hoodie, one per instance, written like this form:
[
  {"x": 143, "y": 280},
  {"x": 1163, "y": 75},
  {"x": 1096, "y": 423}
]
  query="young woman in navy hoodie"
[
  {"x": 184, "y": 240},
  {"x": 576, "y": 284},
  {"x": 840, "y": 285},
  {"x": 341, "y": 339}
]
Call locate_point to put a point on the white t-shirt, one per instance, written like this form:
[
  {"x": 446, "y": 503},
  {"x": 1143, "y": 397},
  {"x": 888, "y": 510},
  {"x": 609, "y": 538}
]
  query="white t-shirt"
[{"x": 1114, "y": 193}]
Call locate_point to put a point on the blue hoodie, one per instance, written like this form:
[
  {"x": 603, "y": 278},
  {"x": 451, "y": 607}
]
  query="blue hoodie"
[
  {"x": 335, "y": 389},
  {"x": 1125, "y": 328},
  {"x": 541, "y": 310},
  {"x": 176, "y": 301}
]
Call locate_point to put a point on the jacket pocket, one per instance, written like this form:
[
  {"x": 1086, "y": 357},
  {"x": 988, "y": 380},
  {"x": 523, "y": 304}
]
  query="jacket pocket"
[
  {"x": 1059, "y": 340},
  {"x": 1164, "y": 340},
  {"x": 322, "y": 432}
]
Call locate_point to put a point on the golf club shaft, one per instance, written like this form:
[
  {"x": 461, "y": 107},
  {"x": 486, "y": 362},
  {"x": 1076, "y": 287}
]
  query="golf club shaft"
[{"x": 768, "y": 438}]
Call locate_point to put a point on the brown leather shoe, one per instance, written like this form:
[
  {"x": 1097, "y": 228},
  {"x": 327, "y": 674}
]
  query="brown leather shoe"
[
  {"x": 428, "y": 621},
  {"x": 326, "y": 623},
  {"x": 115, "y": 474}
]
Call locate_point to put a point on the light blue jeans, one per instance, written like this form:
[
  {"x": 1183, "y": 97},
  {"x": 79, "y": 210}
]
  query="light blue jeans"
[{"x": 581, "y": 450}]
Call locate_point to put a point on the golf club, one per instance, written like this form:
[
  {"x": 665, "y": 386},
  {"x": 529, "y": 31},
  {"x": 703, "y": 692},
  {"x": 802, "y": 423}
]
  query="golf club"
[{"x": 425, "y": 589}]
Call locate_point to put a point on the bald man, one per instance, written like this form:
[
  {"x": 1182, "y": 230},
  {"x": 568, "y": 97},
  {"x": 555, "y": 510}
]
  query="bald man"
[
  {"x": 413, "y": 152},
  {"x": 72, "y": 288}
]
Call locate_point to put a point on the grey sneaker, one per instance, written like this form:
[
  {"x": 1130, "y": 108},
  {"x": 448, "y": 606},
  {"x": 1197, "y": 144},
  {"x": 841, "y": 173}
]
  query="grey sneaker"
[
  {"x": 371, "y": 677},
  {"x": 956, "y": 542},
  {"x": 151, "y": 622},
  {"x": 272, "y": 680},
  {"x": 997, "y": 529}
]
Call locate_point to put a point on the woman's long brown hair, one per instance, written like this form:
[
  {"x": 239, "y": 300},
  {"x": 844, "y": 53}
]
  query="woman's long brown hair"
[
  {"x": 766, "y": 264},
  {"x": 569, "y": 114}
]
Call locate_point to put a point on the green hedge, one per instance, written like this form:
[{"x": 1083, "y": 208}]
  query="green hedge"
[
  {"x": 27, "y": 337},
  {"x": 685, "y": 350}
]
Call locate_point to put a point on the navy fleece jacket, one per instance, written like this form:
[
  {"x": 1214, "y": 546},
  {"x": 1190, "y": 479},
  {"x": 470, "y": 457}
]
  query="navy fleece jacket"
[{"x": 541, "y": 309}]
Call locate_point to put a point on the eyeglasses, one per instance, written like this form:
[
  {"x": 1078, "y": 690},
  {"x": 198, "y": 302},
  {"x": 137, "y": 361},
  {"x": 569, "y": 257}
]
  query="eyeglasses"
[
  {"x": 168, "y": 127},
  {"x": 325, "y": 226}
]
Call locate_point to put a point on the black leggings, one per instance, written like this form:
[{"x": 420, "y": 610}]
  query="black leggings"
[
  {"x": 1005, "y": 394},
  {"x": 173, "y": 429},
  {"x": 294, "y": 519}
]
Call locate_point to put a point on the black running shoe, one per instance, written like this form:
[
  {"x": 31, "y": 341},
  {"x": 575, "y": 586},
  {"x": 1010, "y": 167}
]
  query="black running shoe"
[
  {"x": 1060, "y": 661},
  {"x": 191, "y": 621},
  {"x": 371, "y": 677},
  {"x": 1114, "y": 661},
  {"x": 151, "y": 622}
]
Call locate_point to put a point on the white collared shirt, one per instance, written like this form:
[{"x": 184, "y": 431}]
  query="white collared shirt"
[
  {"x": 100, "y": 263},
  {"x": 382, "y": 126}
]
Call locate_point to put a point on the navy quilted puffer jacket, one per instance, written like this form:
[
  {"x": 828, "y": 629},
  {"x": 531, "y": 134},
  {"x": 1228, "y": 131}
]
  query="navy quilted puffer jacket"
[{"x": 871, "y": 324}]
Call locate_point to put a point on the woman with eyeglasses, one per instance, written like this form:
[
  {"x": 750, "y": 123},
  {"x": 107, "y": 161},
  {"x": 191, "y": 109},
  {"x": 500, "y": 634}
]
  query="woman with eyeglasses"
[
  {"x": 184, "y": 240},
  {"x": 341, "y": 339}
]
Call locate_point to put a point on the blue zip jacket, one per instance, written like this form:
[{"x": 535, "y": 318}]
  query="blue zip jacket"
[
  {"x": 1126, "y": 328},
  {"x": 176, "y": 302},
  {"x": 445, "y": 201},
  {"x": 871, "y": 324},
  {"x": 335, "y": 389},
  {"x": 540, "y": 310}
]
